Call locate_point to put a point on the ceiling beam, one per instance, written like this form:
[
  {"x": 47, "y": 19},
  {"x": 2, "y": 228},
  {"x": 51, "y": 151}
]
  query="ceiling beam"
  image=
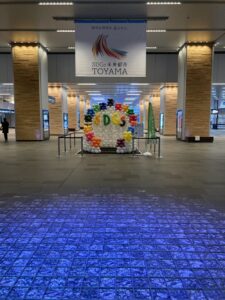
[
  {"x": 71, "y": 18},
  {"x": 55, "y": 30},
  {"x": 104, "y": 2}
]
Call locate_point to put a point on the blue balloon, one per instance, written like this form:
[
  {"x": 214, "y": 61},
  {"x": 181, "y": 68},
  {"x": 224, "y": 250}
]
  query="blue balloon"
[
  {"x": 131, "y": 129},
  {"x": 91, "y": 112},
  {"x": 110, "y": 102},
  {"x": 103, "y": 106}
]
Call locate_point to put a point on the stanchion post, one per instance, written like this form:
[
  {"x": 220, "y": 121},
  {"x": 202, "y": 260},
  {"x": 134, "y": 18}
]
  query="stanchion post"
[
  {"x": 70, "y": 141},
  {"x": 64, "y": 143},
  {"x": 74, "y": 138},
  {"x": 159, "y": 148},
  {"x": 133, "y": 145},
  {"x": 58, "y": 146},
  {"x": 82, "y": 147}
]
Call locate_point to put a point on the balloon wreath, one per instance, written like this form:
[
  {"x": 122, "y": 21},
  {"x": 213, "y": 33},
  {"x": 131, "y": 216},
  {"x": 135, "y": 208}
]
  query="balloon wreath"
[{"x": 116, "y": 117}]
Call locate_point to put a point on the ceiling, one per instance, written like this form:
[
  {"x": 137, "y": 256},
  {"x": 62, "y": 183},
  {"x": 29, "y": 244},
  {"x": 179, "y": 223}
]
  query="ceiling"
[
  {"x": 26, "y": 21},
  {"x": 97, "y": 93},
  {"x": 132, "y": 93},
  {"x": 191, "y": 21},
  {"x": 121, "y": 93}
]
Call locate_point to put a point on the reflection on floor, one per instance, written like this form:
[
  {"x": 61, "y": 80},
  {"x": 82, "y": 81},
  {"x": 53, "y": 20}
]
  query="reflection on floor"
[
  {"x": 111, "y": 247},
  {"x": 218, "y": 133}
]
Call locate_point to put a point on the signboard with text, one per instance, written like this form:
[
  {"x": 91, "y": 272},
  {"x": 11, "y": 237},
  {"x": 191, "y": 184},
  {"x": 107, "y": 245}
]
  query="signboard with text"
[{"x": 110, "y": 49}]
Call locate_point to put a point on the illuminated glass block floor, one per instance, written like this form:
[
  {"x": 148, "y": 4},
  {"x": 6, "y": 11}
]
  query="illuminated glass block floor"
[{"x": 111, "y": 247}]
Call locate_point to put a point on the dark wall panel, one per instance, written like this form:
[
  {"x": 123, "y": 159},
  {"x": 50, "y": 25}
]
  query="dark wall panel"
[{"x": 161, "y": 67}]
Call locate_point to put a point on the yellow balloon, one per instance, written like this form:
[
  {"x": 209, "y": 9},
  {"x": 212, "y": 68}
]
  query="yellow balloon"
[
  {"x": 96, "y": 119},
  {"x": 116, "y": 118},
  {"x": 127, "y": 135},
  {"x": 87, "y": 128}
]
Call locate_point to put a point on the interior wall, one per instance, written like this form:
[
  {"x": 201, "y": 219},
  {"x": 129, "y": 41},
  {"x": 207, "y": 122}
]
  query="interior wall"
[
  {"x": 218, "y": 67},
  {"x": 6, "y": 67},
  {"x": 182, "y": 57},
  {"x": 161, "y": 67},
  {"x": 43, "y": 71}
]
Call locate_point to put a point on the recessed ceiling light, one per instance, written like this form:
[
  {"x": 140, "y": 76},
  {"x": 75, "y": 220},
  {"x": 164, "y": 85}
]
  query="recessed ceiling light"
[
  {"x": 156, "y": 30},
  {"x": 71, "y": 48},
  {"x": 56, "y": 3},
  {"x": 133, "y": 94},
  {"x": 86, "y": 84},
  {"x": 164, "y": 3},
  {"x": 139, "y": 84},
  {"x": 66, "y": 30},
  {"x": 198, "y": 42},
  {"x": 7, "y": 84},
  {"x": 94, "y": 94},
  {"x": 129, "y": 99},
  {"x": 99, "y": 100},
  {"x": 152, "y": 47}
]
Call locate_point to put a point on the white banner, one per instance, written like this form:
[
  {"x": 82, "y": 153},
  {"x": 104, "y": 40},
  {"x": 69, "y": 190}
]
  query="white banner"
[{"x": 110, "y": 49}]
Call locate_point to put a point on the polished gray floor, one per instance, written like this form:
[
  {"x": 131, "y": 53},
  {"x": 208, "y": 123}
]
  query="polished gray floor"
[{"x": 185, "y": 170}]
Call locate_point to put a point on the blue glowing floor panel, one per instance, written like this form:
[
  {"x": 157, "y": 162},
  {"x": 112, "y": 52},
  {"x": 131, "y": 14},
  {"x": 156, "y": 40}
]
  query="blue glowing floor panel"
[{"x": 111, "y": 247}]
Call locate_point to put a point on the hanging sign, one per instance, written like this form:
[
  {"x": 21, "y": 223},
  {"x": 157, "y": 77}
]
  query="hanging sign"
[{"x": 110, "y": 48}]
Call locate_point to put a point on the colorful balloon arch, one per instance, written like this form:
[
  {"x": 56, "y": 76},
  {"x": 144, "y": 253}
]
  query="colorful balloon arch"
[{"x": 109, "y": 125}]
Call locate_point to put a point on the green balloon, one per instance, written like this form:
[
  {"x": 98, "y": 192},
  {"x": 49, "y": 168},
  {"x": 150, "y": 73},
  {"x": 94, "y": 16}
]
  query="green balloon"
[
  {"x": 96, "y": 108},
  {"x": 130, "y": 111},
  {"x": 106, "y": 120}
]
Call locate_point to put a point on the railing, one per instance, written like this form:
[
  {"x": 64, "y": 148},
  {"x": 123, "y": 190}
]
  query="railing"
[
  {"x": 151, "y": 142},
  {"x": 69, "y": 136},
  {"x": 155, "y": 142}
]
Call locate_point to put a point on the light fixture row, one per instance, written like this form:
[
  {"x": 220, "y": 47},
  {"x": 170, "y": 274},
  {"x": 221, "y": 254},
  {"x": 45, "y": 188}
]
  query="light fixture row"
[
  {"x": 99, "y": 94},
  {"x": 164, "y": 3},
  {"x": 156, "y": 30},
  {"x": 198, "y": 42},
  {"x": 96, "y": 83},
  {"x": 72, "y": 3},
  {"x": 65, "y": 30},
  {"x": 95, "y": 94},
  {"x": 55, "y": 3}
]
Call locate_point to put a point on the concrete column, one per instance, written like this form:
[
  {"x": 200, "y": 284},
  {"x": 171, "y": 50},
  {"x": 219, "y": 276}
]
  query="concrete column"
[
  {"x": 155, "y": 100},
  {"x": 72, "y": 110},
  {"x": 58, "y": 110},
  {"x": 31, "y": 90},
  {"x": 77, "y": 112},
  {"x": 194, "y": 79},
  {"x": 168, "y": 106},
  {"x": 87, "y": 104},
  {"x": 82, "y": 111}
]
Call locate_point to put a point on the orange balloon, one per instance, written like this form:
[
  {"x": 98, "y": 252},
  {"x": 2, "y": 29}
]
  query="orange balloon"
[{"x": 125, "y": 107}]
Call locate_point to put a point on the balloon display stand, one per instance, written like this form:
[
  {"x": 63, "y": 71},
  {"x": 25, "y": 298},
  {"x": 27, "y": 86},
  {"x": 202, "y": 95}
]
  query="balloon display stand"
[
  {"x": 110, "y": 151},
  {"x": 109, "y": 128}
]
